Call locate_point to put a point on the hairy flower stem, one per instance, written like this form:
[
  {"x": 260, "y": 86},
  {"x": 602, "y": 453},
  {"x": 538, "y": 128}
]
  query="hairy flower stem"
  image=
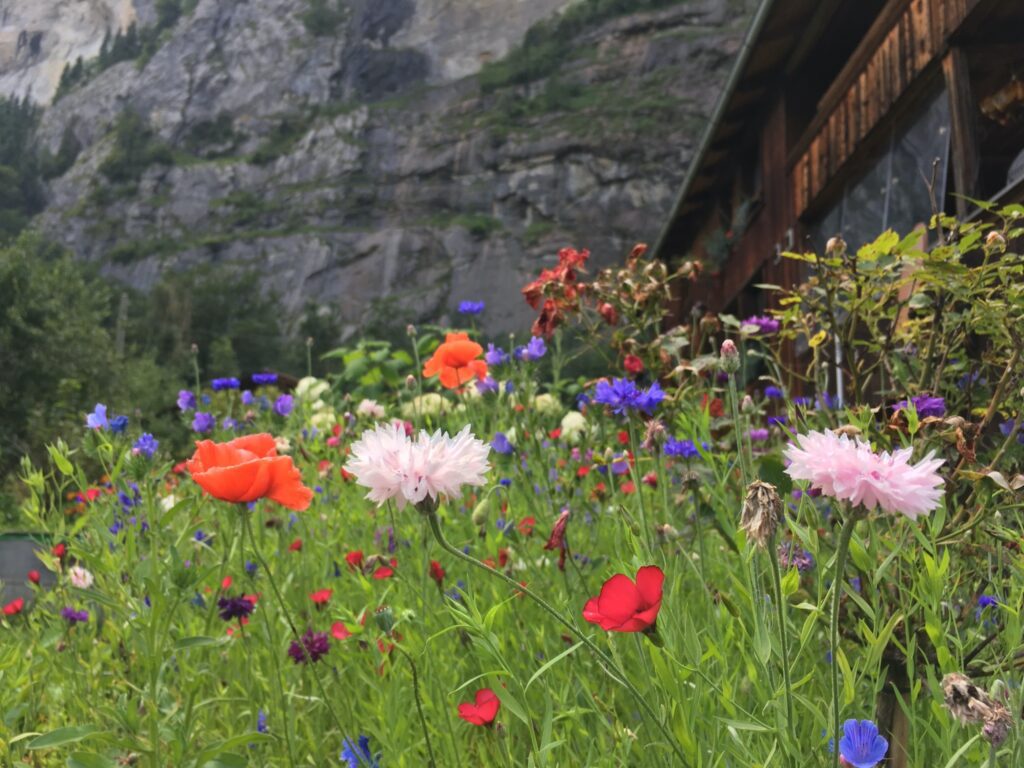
[
  {"x": 783, "y": 636},
  {"x": 611, "y": 668},
  {"x": 837, "y": 592},
  {"x": 419, "y": 705},
  {"x": 639, "y": 484},
  {"x": 288, "y": 618}
]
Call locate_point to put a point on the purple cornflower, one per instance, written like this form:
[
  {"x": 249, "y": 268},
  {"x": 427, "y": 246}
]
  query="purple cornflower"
[
  {"x": 203, "y": 422},
  {"x": 98, "y": 418},
  {"x": 793, "y": 557},
  {"x": 229, "y": 424},
  {"x": 925, "y": 406},
  {"x": 261, "y": 722},
  {"x": 260, "y": 379},
  {"x": 773, "y": 393},
  {"x": 533, "y": 351},
  {"x": 623, "y": 395},
  {"x": 283, "y": 405},
  {"x": 234, "y": 607},
  {"x": 1006, "y": 427},
  {"x": 758, "y": 435},
  {"x": 72, "y": 617},
  {"x": 146, "y": 445},
  {"x": 358, "y": 755},
  {"x": 501, "y": 444},
  {"x": 186, "y": 400},
  {"x": 487, "y": 385},
  {"x": 247, "y": 397},
  {"x": 471, "y": 307},
  {"x": 765, "y": 324},
  {"x": 313, "y": 647},
  {"x": 229, "y": 382},
  {"x": 119, "y": 424},
  {"x": 861, "y": 745},
  {"x": 495, "y": 355},
  {"x": 682, "y": 448},
  {"x": 776, "y": 421}
]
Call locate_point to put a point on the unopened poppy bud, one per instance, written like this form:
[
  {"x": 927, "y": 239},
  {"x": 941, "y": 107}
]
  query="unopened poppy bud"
[
  {"x": 410, "y": 382},
  {"x": 195, "y": 348},
  {"x": 835, "y": 246},
  {"x": 608, "y": 313},
  {"x": 730, "y": 357},
  {"x": 479, "y": 516},
  {"x": 385, "y": 618},
  {"x": 747, "y": 405},
  {"x": 995, "y": 239},
  {"x": 761, "y": 511},
  {"x": 309, "y": 341},
  {"x": 410, "y": 330}
]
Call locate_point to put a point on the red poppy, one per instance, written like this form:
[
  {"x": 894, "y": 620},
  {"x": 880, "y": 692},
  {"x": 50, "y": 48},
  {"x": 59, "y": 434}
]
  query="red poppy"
[
  {"x": 354, "y": 559},
  {"x": 14, "y": 607},
  {"x": 555, "y": 433},
  {"x": 633, "y": 365},
  {"x": 503, "y": 557},
  {"x": 321, "y": 596},
  {"x": 625, "y": 606},
  {"x": 526, "y": 525},
  {"x": 246, "y": 469},
  {"x": 339, "y": 631},
  {"x": 383, "y": 572},
  {"x": 455, "y": 361},
  {"x": 34, "y": 576},
  {"x": 436, "y": 572},
  {"x": 483, "y": 710},
  {"x": 583, "y": 471},
  {"x": 295, "y": 546}
]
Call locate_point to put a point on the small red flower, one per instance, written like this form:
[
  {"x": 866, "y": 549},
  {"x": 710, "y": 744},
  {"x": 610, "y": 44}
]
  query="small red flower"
[
  {"x": 383, "y": 572},
  {"x": 526, "y": 525},
  {"x": 14, "y": 607},
  {"x": 321, "y": 597},
  {"x": 633, "y": 365},
  {"x": 354, "y": 559},
  {"x": 295, "y": 546},
  {"x": 339, "y": 631},
  {"x": 651, "y": 479},
  {"x": 503, "y": 557},
  {"x": 582, "y": 472},
  {"x": 608, "y": 313},
  {"x": 555, "y": 433},
  {"x": 483, "y": 710},
  {"x": 714, "y": 406},
  {"x": 59, "y": 550},
  {"x": 226, "y": 583},
  {"x": 623, "y": 437},
  {"x": 599, "y": 492},
  {"x": 436, "y": 572},
  {"x": 625, "y": 606},
  {"x": 628, "y": 487},
  {"x": 33, "y": 576}
]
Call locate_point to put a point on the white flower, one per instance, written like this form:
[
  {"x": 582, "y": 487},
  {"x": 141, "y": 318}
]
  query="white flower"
[
  {"x": 324, "y": 420},
  {"x": 394, "y": 466},
  {"x": 311, "y": 388},
  {"x": 79, "y": 577},
  {"x": 547, "y": 404},
  {"x": 574, "y": 426},
  {"x": 429, "y": 404},
  {"x": 370, "y": 408},
  {"x": 283, "y": 444},
  {"x": 167, "y": 502}
]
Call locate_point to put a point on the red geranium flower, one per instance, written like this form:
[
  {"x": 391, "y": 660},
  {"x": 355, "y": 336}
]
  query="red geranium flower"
[
  {"x": 623, "y": 437},
  {"x": 483, "y": 710},
  {"x": 624, "y": 606},
  {"x": 628, "y": 487},
  {"x": 321, "y": 596},
  {"x": 226, "y": 583},
  {"x": 436, "y": 572},
  {"x": 246, "y": 469},
  {"x": 383, "y": 572},
  {"x": 14, "y": 607}
]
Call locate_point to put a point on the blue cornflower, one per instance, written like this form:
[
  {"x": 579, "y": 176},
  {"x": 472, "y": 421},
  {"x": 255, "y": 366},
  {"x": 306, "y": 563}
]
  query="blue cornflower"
[
  {"x": 773, "y": 393},
  {"x": 487, "y": 385},
  {"x": 98, "y": 418},
  {"x": 683, "y": 448},
  {"x": 1006, "y": 427},
  {"x": 118, "y": 424},
  {"x": 776, "y": 421},
  {"x": 533, "y": 351},
  {"x": 203, "y": 422},
  {"x": 251, "y": 567},
  {"x": 247, "y": 397},
  {"x": 495, "y": 355},
  {"x": 186, "y": 400},
  {"x": 501, "y": 444},
  {"x": 146, "y": 445},
  {"x": 260, "y": 379},
  {"x": 358, "y": 755},
  {"x": 229, "y": 423},
  {"x": 283, "y": 405},
  {"x": 924, "y": 405},
  {"x": 985, "y": 601},
  {"x": 229, "y": 382},
  {"x": 261, "y": 722},
  {"x": 861, "y": 745},
  {"x": 471, "y": 307},
  {"x": 505, "y": 482},
  {"x": 623, "y": 395},
  {"x": 803, "y": 402},
  {"x": 200, "y": 536}
]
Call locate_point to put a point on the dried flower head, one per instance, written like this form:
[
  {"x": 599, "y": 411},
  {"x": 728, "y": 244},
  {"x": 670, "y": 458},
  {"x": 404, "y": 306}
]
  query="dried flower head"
[
  {"x": 971, "y": 705},
  {"x": 761, "y": 511}
]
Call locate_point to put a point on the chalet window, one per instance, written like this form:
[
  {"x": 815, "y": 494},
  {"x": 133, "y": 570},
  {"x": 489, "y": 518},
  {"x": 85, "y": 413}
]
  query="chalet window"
[{"x": 893, "y": 193}]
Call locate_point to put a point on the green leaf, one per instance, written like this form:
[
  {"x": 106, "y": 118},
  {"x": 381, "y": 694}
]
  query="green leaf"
[
  {"x": 552, "y": 662},
  {"x": 198, "y": 642},
  {"x": 68, "y": 735},
  {"x": 89, "y": 760},
  {"x": 790, "y": 582},
  {"x": 60, "y": 461}
]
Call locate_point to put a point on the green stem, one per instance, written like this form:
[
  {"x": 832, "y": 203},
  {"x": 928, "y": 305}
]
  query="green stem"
[
  {"x": 783, "y": 637},
  {"x": 419, "y": 705},
  {"x": 837, "y": 591},
  {"x": 288, "y": 618},
  {"x": 639, "y": 483},
  {"x": 610, "y": 667}
]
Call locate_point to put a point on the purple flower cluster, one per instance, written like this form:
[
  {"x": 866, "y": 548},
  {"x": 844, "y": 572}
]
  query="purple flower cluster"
[
  {"x": 795, "y": 557},
  {"x": 203, "y": 422},
  {"x": 533, "y": 351},
  {"x": 186, "y": 400},
  {"x": 623, "y": 395},
  {"x": 471, "y": 307},
  {"x": 261, "y": 379},
  {"x": 495, "y": 355},
  {"x": 765, "y": 324},
  {"x": 146, "y": 445},
  {"x": 72, "y": 617},
  {"x": 685, "y": 449},
  {"x": 283, "y": 405},
  {"x": 234, "y": 607},
  {"x": 313, "y": 647}
]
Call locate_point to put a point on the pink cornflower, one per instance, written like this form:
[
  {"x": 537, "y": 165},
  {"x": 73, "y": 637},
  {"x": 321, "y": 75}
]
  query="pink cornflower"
[
  {"x": 849, "y": 470},
  {"x": 393, "y": 466}
]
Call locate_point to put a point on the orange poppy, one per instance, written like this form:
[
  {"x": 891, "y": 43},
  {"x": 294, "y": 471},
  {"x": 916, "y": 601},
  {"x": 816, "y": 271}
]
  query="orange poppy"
[
  {"x": 246, "y": 469},
  {"x": 456, "y": 362}
]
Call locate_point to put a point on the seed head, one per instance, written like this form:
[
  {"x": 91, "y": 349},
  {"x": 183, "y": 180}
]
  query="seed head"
[{"x": 762, "y": 509}]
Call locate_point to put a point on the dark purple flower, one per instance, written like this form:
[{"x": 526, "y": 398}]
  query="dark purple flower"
[
  {"x": 764, "y": 323},
  {"x": 146, "y": 445},
  {"x": 623, "y": 395},
  {"x": 203, "y": 422},
  {"x": 118, "y": 424},
  {"x": 758, "y": 435},
  {"x": 72, "y": 617},
  {"x": 773, "y": 393},
  {"x": 247, "y": 397},
  {"x": 234, "y": 607},
  {"x": 533, "y": 351},
  {"x": 229, "y": 382},
  {"x": 501, "y": 444},
  {"x": 925, "y": 406},
  {"x": 487, "y": 386},
  {"x": 795, "y": 557},
  {"x": 260, "y": 379},
  {"x": 495, "y": 355},
  {"x": 283, "y": 405},
  {"x": 186, "y": 400},
  {"x": 313, "y": 647},
  {"x": 682, "y": 448}
]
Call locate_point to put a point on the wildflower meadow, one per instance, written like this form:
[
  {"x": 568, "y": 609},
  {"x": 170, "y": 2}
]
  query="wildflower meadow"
[{"x": 789, "y": 539}]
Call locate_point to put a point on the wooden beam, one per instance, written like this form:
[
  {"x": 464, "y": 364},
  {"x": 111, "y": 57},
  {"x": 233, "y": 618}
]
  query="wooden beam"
[{"x": 964, "y": 139}]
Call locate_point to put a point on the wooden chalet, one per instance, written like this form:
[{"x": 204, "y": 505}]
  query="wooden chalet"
[{"x": 848, "y": 117}]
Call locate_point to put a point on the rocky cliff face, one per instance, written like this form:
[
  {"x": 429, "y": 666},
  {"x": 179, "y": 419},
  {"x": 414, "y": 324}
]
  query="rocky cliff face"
[{"x": 373, "y": 169}]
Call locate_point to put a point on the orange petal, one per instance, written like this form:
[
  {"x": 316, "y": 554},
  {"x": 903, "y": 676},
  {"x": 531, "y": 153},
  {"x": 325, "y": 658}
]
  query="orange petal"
[{"x": 287, "y": 488}]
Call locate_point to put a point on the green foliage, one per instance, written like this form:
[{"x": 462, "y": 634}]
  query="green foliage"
[
  {"x": 370, "y": 368},
  {"x": 285, "y": 134},
  {"x": 136, "y": 148},
  {"x": 323, "y": 17},
  {"x": 54, "y": 166},
  {"x": 213, "y": 138},
  {"x": 21, "y": 194}
]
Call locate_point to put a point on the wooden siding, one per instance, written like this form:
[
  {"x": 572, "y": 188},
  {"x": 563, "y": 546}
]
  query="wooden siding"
[{"x": 866, "y": 90}]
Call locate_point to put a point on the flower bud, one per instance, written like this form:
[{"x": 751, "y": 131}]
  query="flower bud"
[
  {"x": 479, "y": 516},
  {"x": 747, "y": 404},
  {"x": 835, "y": 246},
  {"x": 761, "y": 511},
  {"x": 309, "y": 342},
  {"x": 608, "y": 313},
  {"x": 195, "y": 348},
  {"x": 385, "y": 618},
  {"x": 995, "y": 240},
  {"x": 730, "y": 357},
  {"x": 410, "y": 330},
  {"x": 410, "y": 382}
]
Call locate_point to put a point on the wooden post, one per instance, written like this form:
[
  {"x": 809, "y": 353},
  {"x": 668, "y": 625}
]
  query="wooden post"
[{"x": 962, "y": 110}]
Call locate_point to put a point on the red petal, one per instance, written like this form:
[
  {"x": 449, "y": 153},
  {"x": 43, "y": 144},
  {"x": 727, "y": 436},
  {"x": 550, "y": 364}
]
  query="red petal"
[
  {"x": 487, "y": 704},
  {"x": 619, "y": 598},
  {"x": 648, "y": 582}
]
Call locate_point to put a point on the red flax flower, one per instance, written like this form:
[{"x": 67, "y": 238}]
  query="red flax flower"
[
  {"x": 321, "y": 597},
  {"x": 483, "y": 710},
  {"x": 455, "y": 361},
  {"x": 246, "y": 469},
  {"x": 14, "y": 607},
  {"x": 437, "y": 572},
  {"x": 625, "y": 606}
]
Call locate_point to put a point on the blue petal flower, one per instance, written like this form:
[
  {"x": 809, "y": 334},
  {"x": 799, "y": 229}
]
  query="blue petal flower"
[{"x": 861, "y": 745}]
